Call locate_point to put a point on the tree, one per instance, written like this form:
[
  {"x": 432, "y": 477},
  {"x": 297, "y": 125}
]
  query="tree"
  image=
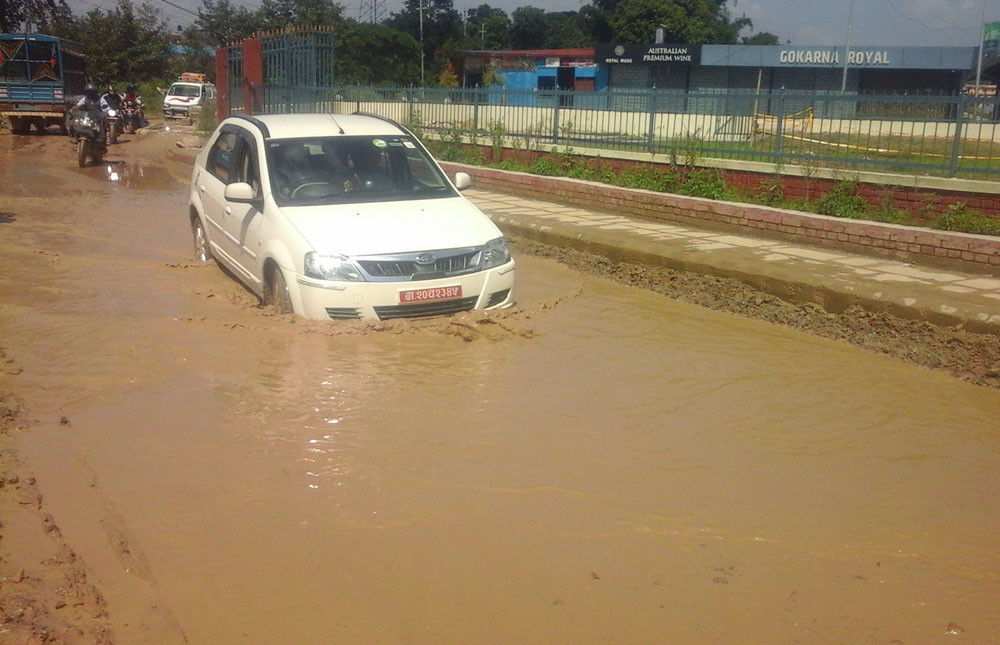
[
  {"x": 125, "y": 44},
  {"x": 220, "y": 23},
  {"x": 486, "y": 28},
  {"x": 368, "y": 54},
  {"x": 686, "y": 21},
  {"x": 565, "y": 29},
  {"x": 281, "y": 14},
  {"x": 12, "y": 14},
  {"x": 527, "y": 30},
  {"x": 762, "y": 38},
  {"x": 441, "y": 24}
]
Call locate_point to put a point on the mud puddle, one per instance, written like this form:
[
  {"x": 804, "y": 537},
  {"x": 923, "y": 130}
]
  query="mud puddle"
[{"x": 601, "y": 464}]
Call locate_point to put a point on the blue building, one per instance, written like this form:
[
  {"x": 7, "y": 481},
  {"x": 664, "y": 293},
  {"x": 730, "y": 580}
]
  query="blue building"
[{"x": 531, "y": 69}]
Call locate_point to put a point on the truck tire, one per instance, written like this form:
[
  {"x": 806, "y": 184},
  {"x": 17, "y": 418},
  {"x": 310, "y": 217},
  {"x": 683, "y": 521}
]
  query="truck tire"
[{"x": 19, "y": 125}]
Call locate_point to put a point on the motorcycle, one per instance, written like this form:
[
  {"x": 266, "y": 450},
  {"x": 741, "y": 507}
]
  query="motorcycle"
[
  {"x": 114, "y": 125},
  {"x": 131, "y": 116},
  {"x": 88, "y": 128}
]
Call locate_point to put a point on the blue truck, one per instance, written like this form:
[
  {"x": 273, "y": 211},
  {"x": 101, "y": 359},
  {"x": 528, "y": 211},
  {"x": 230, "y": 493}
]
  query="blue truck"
[{"x": 40, "y": 79}]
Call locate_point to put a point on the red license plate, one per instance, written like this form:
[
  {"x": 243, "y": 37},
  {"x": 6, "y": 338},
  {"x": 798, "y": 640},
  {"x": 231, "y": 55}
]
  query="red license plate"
[{"x": 429, "y": 294}]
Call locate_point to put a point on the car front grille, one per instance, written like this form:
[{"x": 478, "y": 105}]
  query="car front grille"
[
  {"x": 426, "y": 309},
  {"x": 343, "y": 313},
  {"x": 497, "y": 297},
  {"x": 445, "y": 263}
]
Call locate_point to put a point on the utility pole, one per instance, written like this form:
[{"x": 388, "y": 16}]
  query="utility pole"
[{"x": 847, "y": 46}]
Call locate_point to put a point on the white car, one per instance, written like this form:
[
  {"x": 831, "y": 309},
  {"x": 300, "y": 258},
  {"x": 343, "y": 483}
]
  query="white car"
[
  {"x": 186, "y": 98},
  {"x": 344, "y": 216}
]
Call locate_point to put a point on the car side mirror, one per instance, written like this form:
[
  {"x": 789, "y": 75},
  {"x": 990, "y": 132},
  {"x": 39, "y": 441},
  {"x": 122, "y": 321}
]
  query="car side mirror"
[
  {"x": 240, "y": 193},
  {"x": 462, "y": 180}
]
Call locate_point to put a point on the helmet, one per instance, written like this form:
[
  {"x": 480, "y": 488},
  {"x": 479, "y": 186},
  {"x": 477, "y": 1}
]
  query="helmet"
[
  {"x": 111, "y": 89},
  {"x": 90, "y": 91}
]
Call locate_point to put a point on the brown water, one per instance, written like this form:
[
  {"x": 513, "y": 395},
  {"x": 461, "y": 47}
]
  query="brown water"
[{"x": 601, "y": 465}]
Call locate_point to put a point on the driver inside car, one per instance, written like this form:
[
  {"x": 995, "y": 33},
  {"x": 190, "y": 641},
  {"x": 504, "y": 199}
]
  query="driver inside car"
[{"x": 296, "y": 169}]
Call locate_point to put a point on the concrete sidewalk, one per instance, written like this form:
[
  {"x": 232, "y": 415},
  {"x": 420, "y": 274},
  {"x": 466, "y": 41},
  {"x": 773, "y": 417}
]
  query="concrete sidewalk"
[{"x": 799, "y": 273}]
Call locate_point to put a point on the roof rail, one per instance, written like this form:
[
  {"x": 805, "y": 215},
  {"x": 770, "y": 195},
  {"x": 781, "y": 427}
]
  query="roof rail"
[{"x": 257, "y": 122}]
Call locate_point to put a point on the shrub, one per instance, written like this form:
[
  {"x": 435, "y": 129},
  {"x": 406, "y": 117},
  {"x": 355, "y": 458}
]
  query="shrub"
[
  {"x": 706, "y": 183},
  {"x": 770, "y": 193},
  {"x": 842, "y": 200},
  {"x": 959, "y": 218}
]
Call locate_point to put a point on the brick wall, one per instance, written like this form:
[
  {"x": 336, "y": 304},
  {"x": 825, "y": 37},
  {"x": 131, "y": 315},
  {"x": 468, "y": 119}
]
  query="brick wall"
[
  {"x": 922, "y": 204},
  {"x": 976, "y": 253}
]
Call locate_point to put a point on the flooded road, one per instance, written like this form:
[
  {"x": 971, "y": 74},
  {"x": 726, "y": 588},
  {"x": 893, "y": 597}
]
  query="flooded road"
[{"x": 601, "y": 465}]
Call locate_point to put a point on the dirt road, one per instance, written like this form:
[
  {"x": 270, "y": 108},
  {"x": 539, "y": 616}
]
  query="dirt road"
[{"x": 600, "y": 465}]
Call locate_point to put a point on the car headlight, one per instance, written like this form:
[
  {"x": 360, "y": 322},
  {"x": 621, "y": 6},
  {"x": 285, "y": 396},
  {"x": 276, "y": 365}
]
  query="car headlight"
[
  {"x": 495, "y": 253},
  {"x": 331, "y": 267}
]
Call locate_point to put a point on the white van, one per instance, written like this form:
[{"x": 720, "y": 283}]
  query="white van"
[{"x": 188, "y": 97}]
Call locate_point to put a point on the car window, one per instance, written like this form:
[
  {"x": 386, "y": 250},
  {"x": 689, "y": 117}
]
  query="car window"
[
  {"x": 352, "y": 169},
  {"x": 222, "y": 157},
  {"x": 247, "y": 167},
  {"x": 183, "y": 90}
]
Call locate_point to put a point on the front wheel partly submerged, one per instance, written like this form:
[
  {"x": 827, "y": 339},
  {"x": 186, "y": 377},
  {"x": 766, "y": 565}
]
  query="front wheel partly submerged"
[
  {"x": 278, "y": 296},
  {"x": 82, "y": 150},
  {"x": 202, "y": 252}
]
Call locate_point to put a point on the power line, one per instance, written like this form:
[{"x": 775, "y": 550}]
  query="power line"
[{"x": 924, "y": 25}]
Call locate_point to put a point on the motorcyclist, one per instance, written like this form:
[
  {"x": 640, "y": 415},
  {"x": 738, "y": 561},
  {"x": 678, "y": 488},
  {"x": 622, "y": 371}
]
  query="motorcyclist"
[
  {"x": 113, "y": 98},
  {"x": 89, "y": 102},
  {"x": 131, "y": 96}
]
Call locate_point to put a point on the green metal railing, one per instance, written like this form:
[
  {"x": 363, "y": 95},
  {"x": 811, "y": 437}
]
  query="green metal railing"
[{"x": 929, "y": 135}]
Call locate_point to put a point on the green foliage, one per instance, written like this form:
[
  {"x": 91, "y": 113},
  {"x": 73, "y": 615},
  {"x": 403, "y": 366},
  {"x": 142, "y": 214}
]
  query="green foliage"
[
  {"x": 648, "y": 177},
  {"x": 770, "y": 193},
  {"x": 372, "y": 54},
  {"x": 959, "y": 218},
  {"x": 686, "y": 21},
  {"x": 491, "y": 75},
  {"x": 415, "y": 124},
  {"x": 220, "y": 23},
  {"x": 497, "y": 132},
  {"x": 447, "y": 78},
  {"x": 451, "y": 147},
  {"x": 207, "y": 120},
  {"x": 706, "y": 183},
  {"x": 152, "y": 97},
  {"x": 125, "y": 45},
  {"x": 842, "y": 200}
]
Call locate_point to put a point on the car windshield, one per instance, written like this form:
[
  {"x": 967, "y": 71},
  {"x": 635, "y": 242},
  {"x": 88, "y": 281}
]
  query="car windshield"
[
  {"x": 184, "y": 90},
  {"x": 352, "y": 169}
]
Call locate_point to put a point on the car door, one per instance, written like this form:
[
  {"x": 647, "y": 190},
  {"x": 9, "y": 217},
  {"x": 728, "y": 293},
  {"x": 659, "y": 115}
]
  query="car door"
[
  {"x": 211, "y": 182},
  {"x": 242, "y": 222}
]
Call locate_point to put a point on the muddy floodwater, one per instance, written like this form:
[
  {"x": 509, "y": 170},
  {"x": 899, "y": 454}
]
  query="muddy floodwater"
[{"x": 600, "y": 465}]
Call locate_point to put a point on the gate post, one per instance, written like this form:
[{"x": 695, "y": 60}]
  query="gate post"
[
  {"x": 221, "y": 84},
  {"x": 253, "y": 73}
]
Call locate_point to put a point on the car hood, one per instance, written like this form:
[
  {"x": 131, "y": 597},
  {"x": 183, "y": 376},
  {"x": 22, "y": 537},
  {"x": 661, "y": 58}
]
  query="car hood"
[{"x": 392, "y": 227}]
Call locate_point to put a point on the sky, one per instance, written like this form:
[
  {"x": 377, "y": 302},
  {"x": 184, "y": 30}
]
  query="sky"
[{"x": 803, "y": 22}]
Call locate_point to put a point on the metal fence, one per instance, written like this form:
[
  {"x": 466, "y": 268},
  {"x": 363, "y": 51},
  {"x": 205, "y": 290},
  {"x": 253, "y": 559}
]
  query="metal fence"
[{"x": 932, "y": 135}]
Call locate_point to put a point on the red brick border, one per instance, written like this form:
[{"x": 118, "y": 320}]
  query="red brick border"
[{"x": 975, "y": 253}]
